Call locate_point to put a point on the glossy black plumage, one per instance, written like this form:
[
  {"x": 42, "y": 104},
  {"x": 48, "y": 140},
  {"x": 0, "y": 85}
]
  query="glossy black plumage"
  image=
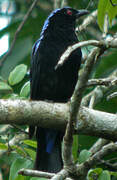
[{"x": 56, "y": 85}]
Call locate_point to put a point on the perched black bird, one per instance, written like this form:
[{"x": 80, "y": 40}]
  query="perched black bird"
[{"x": 56, "y": 85}]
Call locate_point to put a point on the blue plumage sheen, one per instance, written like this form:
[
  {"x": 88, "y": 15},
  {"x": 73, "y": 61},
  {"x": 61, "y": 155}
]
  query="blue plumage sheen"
[
  {"x": 50, "y": 140},
  {"x": 58, "y": 33},
  {"x": 46, "y": 23},
  {"x": 45, "y": 26}
]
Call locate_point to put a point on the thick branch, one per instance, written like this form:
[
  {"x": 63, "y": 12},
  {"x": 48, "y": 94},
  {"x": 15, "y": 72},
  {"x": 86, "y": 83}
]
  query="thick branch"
[
  {"x": 56, "y": 115},
  {"x": 33, "y": 113}
]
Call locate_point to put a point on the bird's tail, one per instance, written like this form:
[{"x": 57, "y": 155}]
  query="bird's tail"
[{"x": 45, "y": 160}]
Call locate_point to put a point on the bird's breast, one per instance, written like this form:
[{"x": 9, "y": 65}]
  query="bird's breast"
[{"x": 58, "y": 85}]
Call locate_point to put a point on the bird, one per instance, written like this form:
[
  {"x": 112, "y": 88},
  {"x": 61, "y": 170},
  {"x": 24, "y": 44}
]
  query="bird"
[{"x": 50, "y": 84}]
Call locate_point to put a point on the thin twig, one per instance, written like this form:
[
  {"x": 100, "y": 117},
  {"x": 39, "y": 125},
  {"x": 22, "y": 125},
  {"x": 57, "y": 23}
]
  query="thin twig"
[
  {"x": 70, "y": 49},
  {"x": 63, "y": 3},
  {"x": 110, "y": 166},
  {"x": 35, "y": 173},
  {"x": 98, "y": 145},
  {"x": 56, "y": 4},
  {"x": 114, "y": 81},
  {"x": 113, "y": 95},
  {"x": 18, "y": 31},
  {"x": 89, "y": 4},
  {"x": 110, "y": 42},
  {"x": 20, "y": 129},
  {"x": 92, "y": 100},
  {"x": 105, "y": 26},
  {"x": 93, "y": 160},
  {"x": 17, "y": 139},
  {"x": 105, "y": 82},
  {"x": 88, "y": 20},
  {"x": 101, "y": 90}
]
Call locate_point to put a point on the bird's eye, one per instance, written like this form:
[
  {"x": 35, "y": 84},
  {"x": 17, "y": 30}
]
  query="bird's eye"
[{"x": 69, "y": 12}]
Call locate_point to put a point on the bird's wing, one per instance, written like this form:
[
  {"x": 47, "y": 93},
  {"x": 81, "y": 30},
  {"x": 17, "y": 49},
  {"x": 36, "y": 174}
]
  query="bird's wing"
[
  {"x": 34, "y": 79},
  {"x": 35, "y": 71}
]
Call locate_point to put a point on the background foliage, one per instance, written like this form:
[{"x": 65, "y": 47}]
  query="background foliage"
[{"x": 14, "y": 81}]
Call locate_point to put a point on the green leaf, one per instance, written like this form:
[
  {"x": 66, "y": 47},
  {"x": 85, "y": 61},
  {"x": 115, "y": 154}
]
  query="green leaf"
[
  {"x": 102, "y": 6},
  {"x": 3, "y": 146},
  {"x": 5, "y": 88},
  {"x": 111, "y": 11},
  {"x": 17, "y": 75},
  {"x": 105, "y": 7},
  {"x": 84, "y": 155},
  {"x": 20, "y": 177},
  {"x": 105, "y": 175},
  {"x": 30, "y": 143},
  {"x": 113, "y": 174},
  {"x": 31, "y": 153},
  {"x": 25, "y": 91},
  {"x": 93, "y": 172},
  {"x": 18, "y": 164}
]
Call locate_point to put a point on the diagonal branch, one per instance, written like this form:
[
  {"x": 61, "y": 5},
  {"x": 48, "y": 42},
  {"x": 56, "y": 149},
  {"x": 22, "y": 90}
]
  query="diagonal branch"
[
  {"x": 83, "y": 168},
  {"x": 88, "y": 20},
  {"x": 70, "y": 49},
  {"x": 74, "y": 109},
  {"x": 103, "y": 44}
]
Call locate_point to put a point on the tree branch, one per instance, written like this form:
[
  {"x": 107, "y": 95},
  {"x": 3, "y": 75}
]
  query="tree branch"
[
  {"x": 99, "y": 91},
  {"x": 88, "y": 20},
  {"x": 98, "y": 145},
  {"x": 105, "y": 82},
  {"x": 93, "y": 160},
  {"x": 74, "y": 109},
  {"x": 113, "y": 95},
  {"x": 35, "y": 173},
  {"x": 110, "y": 42},
  {"x": 70, "y": 49},
  {"x": 56, "y": 115}
]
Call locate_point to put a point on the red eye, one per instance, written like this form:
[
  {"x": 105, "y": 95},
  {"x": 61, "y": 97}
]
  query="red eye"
[{"x": 69, "y": 12}]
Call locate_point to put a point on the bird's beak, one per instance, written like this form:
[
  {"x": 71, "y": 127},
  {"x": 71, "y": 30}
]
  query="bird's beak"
[{"x": 82, "y": 13}]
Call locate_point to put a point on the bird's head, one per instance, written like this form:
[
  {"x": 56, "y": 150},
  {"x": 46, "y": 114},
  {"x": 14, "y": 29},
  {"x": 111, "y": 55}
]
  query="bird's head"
[
  {"x": 67, "y": 13},
  {"x": 64, "y": 18}
]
